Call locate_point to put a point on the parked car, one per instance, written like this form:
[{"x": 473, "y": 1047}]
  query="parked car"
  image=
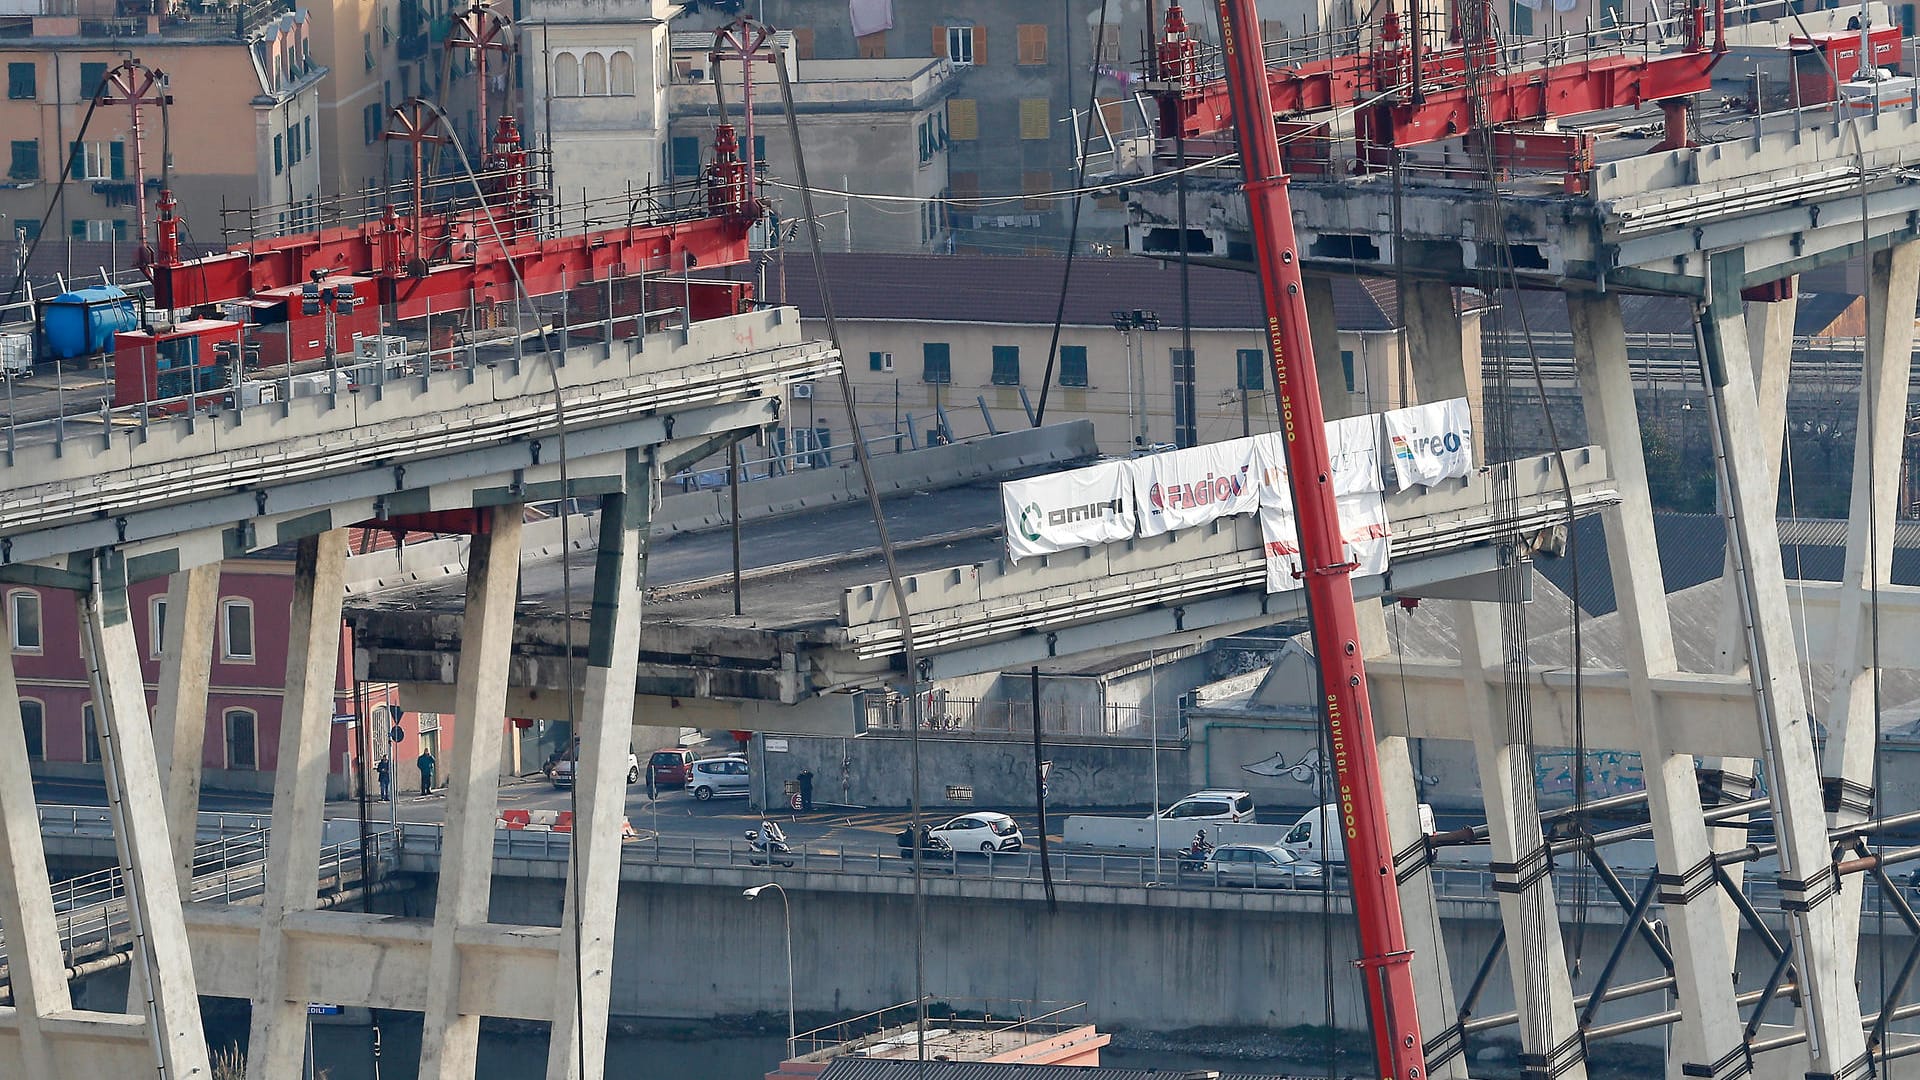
[
  {"x": 671, "y": 766},
  {"x": 984, "y": 832},
  {"x": 1261, "y": 866},
  {"x": 1211, "y": 805},
  {"x": 718, "y": 776},
  {"x": 560, "y": 769}
]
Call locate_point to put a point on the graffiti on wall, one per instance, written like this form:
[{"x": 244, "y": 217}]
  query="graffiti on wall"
[
  {"x": 1608, "y": 772},
  {"x": 1310, "y": 769}
]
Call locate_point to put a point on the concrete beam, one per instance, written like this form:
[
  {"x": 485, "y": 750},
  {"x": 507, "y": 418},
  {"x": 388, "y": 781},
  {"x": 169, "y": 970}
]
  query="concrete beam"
[
  {"x": 1536, "y": 956},
  {"x": 1709, "y": 1032},
  {"x": 1830, "y": 1008},
  {"x": 180, "y": 711},
  {"x": 278, "y": 1040},
  {"x": 163, "y": 970},
  {"x": 36, "y": 967},
  {"x": 450, "y": 1038},
  {"x": 78, "y": 1042},
  {"x": 577, "y": 1045}
]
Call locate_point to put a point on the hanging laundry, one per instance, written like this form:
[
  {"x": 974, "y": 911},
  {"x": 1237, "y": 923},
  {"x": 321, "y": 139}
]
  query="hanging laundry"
[{"x": 870, "y": 16}]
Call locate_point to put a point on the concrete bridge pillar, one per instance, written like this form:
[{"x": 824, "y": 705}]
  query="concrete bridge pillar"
[
  {"x": 1829, "y": 1003},
  {"x": 1331, "y": 374},
  {"x": 163, "y": 970},
  {"x": 180, "y": 713},
  {"x": 1848, "y": 765},
  {"x": 1550, "y": 1039},
  {"x": 36, "y": 970},
  {"x": 1433, "y": 975},
  {"x": 1770, "y": 344},
  {"x": 1443, "y": 348},
  {"x": 450, "y": 1038},
  {"x": 1708, "y": 1035},
  {"x": 292, "y": 885},
  {"x": 584, "y": 976}
]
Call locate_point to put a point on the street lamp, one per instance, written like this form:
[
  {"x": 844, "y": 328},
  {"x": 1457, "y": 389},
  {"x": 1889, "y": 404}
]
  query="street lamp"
[
  {"x": 1127, "y": 322},
  {"x": 786, "y": 914}
]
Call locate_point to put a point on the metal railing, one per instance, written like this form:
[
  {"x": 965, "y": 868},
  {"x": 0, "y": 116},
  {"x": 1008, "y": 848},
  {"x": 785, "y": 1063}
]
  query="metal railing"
[
  {"x": 1018, "y": 1021},
  {"x": 1015, "y": 718}
]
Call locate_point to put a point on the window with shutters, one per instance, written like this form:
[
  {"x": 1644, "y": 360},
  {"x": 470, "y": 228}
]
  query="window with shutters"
[
  {"x": 803, "y": 43},
  {"x": 1006, "y": 365},
  {"x": 1033, "y": 44},
  {"x": 872, "y": 46},
  {"x": 23, "y": 81},
  {"x": 1073, "y": 365},
  {"x": 880, "y": 361},
  {"x": 1037, "y": 185},
  {"x": 278, "y": 164},
  {"x": 1113, "y": 116},
  {"x": 566, "y": 75},
  {"x": 1253, "y": 366},
  {"x": 1035, "y": 114},
  {"x": 1108, "y": 45},
  {"x": 100, "y": 230},
  {"x": 936, "y": 362},
  {"x": 964, "y": 187},
  {"x": 91, "y": 76},
  {"x": 960, "y": 42},
  {"x": 686, "y": 155},
  {"x": 98, "y": 161},
  {"x": 963, "y": 118},
  {"x": 24, "y": 163},
  {"x": 1520, "y": 18}
]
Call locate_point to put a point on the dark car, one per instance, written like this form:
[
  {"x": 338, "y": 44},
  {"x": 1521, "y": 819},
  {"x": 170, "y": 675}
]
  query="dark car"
[
  {"x": 931, "y": 846},
  {"x": 671, "y": 766}
]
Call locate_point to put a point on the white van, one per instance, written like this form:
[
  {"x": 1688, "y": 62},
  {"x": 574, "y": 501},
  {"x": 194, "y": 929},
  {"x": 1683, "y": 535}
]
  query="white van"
[{"x": 1317, "y": 835}]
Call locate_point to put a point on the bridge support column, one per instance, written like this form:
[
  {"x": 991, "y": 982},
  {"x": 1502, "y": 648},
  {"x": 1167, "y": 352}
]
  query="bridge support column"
[
  {"x": 1550, "y": 1042},
  {"x": 578, "y": 1043},
  {"x": 292, "y": 885},
  {"x": 1829, "y": 1002},
  {"x": 163, "y": 969},
  {"x": 1335, "y": 398},
  {"x": 1893, "y": 279},
  {"x": 1770, "y": 347},
  {"x": 1708, "y": 1035},
  {"x": 449, "y": 1040},
  {"x": 180, "y": 714},
  {"x": 1433, "y": 976},
  {"x": 1444, "y": 355},
  {"x": 36, "y": 969}
]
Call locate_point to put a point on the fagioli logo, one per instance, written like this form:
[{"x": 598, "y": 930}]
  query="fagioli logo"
[
  {"x": 1185, "y": 496},
  {"x": 1033, "y": 516}
]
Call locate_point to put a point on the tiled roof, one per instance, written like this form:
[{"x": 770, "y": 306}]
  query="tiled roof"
[{"x": 1026, "y": 289}]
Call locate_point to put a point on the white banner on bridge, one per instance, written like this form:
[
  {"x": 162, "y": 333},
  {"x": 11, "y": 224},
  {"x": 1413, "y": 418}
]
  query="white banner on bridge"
[
  {"x": 1363, "y": 522},
  {"x": 1183, "y": 488},
  {"x": 1065, "y": 510},
  {"x": 1431, "y": 442}
]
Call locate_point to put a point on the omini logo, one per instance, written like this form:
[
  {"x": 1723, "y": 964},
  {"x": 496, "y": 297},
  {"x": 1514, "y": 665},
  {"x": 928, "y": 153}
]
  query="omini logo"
[{"x": 1033, "y": 515}]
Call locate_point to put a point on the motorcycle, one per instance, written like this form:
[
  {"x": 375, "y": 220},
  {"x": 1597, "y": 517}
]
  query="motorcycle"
[
  {"x": 1195, "y": 855},
  {"x": 931, "y": 847},
  {"x": 769, "y": 845}
]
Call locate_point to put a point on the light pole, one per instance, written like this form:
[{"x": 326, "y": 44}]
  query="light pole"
[
  {"x": 1126, "y": 322},
  {"x": 786, "y": 915}
]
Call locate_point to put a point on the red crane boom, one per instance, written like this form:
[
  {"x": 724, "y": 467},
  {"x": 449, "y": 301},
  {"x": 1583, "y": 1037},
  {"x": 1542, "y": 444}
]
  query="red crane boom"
[{"x": 1384, "y": 956}]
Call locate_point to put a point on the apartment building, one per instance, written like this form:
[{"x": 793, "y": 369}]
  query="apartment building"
[{"x": 242, "y": 130}]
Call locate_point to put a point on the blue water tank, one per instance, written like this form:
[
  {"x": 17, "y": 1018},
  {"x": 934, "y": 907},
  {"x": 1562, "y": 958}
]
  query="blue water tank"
[{"x": 83, "y": 322}]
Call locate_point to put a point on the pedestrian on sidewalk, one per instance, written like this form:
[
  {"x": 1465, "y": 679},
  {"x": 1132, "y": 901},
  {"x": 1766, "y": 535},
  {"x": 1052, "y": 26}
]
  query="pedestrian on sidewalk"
[
  {"x": 384, "y": 769},
  {"x": 806, "y": 789},
  {"x": 425, "y": 762}
]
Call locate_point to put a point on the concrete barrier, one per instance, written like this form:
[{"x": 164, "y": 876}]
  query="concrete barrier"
[{"x": 1123, "y": 833}]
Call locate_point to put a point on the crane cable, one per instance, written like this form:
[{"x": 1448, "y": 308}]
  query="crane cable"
[
  {"x": 1073, "y": 233},
  {"x": 910, "y": 657}
]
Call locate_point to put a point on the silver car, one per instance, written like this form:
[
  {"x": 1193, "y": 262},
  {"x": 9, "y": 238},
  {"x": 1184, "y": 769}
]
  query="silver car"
[
  {"x": 1261, "y": 866},
  {"x": 718, "y": 776}
]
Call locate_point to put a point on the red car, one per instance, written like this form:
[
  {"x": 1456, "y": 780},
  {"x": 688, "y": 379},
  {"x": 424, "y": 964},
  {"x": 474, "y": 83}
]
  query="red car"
[{"x": 671, "y": 766}]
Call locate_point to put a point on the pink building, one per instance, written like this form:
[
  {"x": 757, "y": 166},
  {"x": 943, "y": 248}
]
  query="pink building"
[{"x": 245, "y": 690}]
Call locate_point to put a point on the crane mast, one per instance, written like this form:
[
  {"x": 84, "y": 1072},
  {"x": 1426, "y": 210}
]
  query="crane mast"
[{"x": 1384, "y": 957}]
